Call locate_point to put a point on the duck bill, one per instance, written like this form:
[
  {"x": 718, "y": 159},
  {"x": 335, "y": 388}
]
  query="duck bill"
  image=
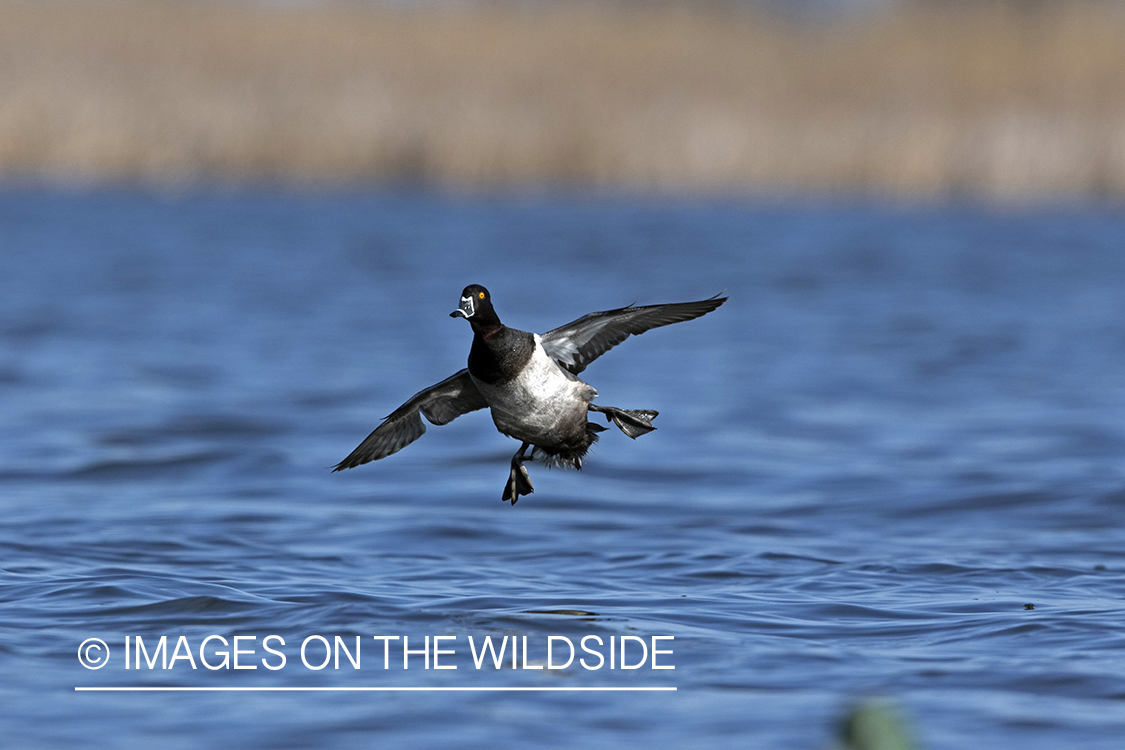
[{"x": 466, "y": 310}]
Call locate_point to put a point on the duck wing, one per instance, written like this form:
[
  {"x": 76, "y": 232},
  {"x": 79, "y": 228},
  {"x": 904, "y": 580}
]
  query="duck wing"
[
  {"x": 441, "y": 404},
  {"x": 577, "y": 344}
]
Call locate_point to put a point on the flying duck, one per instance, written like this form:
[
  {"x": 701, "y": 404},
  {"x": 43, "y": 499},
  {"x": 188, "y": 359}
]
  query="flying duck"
[{"x": 530, "y": 382}]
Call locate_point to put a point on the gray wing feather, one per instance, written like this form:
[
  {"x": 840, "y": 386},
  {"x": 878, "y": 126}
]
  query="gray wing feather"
[
  {"x": 577, "y": 344},
  {"x": 441, "y": 404}
]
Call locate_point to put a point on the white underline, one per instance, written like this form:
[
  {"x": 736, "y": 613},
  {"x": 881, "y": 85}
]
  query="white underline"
[{"x": 128, "y": 689}]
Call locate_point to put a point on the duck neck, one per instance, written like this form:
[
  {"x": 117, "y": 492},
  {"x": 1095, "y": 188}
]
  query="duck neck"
[{"x": 486, "y": 323}]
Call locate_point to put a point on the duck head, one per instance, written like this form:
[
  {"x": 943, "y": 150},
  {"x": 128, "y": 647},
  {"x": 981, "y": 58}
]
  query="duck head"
[{"x": 476, "y": 307}]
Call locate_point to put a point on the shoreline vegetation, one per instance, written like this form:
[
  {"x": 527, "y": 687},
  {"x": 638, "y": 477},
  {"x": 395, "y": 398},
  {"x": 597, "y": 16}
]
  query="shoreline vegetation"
[{"x": 995, "y": 100}]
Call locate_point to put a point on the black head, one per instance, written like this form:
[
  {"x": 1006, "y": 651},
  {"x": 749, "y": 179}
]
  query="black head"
[{"x": 476, "y": 307}]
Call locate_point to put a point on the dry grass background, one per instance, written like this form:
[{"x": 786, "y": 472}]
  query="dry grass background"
[{"x": 988, "y": 99}]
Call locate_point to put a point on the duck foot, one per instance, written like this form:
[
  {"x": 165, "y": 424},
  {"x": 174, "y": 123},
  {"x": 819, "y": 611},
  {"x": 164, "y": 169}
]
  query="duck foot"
[
  {"x": 633, "y": 422},
  {"x": 519, "y": 483}
]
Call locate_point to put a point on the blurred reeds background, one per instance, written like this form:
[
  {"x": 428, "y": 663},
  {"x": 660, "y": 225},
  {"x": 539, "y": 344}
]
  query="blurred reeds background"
[{"x": 999, "y": 99}]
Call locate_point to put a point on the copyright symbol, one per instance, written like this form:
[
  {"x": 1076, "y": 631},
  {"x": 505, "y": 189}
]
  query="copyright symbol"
[{"x": 93, "y": 653}]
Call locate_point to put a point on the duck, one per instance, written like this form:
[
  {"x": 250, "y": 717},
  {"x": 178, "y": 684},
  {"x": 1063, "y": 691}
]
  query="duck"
[{"x": 530, "y": 383}]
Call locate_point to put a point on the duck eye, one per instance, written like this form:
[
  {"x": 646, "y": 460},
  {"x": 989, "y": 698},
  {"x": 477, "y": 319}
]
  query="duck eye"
[{"x": 481, "y": 295}]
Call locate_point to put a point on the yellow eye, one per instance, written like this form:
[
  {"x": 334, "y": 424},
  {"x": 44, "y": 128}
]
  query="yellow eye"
[{"x": 481, "y": 295}]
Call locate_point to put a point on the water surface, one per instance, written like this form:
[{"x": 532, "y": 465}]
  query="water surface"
[{"x": 905, "y": 427}]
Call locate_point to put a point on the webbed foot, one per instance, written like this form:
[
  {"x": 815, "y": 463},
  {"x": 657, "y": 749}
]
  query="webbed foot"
[
  {"x": 519, "y": 482},
  {"x": 633, "y": 422}
]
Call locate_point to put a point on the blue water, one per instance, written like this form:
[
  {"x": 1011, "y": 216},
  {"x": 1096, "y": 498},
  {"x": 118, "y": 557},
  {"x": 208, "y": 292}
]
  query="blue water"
[{"x": 904, "y": 427}]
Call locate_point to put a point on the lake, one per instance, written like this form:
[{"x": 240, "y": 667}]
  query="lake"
[{"x": 890, "y": 467}]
